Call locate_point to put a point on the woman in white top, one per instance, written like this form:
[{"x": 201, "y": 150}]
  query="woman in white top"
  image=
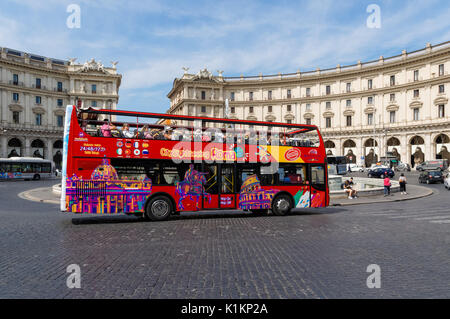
[{"x": 126, "y": 131}]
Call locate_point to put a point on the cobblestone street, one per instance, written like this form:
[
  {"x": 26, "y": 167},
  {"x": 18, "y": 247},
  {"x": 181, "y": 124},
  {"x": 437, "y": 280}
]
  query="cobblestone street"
[{"x": 317, "y": 253}]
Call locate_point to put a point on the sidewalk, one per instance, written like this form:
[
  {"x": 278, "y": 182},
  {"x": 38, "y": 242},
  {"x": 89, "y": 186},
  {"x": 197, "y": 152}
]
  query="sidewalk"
[
  {"x": 42, "y": 194},
  {"x": 414, "y": 192},
  {"x": 46, "y": 195}
]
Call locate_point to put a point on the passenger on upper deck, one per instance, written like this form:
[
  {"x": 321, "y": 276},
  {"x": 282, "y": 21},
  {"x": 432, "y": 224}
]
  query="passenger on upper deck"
[
  {"x": 218, "y": 136},
  {"x": 126, "y": 131},
  {"x": 167, "y": 133},
  {"x": 106, "y": 128},
  {"x": 145, "y": 133},
  {"x": 198, "y": 135},
  {"x": 187, "y": 136},
  {"x": 206, "y": 137}
]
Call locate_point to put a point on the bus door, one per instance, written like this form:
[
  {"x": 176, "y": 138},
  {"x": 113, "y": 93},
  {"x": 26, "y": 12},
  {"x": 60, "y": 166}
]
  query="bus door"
[
  {"x": 227, "y": 194},
  {"x": 318, "y": 186},
  {"x": 210, "y": 198},
  {"x": 219, "y": 190}
]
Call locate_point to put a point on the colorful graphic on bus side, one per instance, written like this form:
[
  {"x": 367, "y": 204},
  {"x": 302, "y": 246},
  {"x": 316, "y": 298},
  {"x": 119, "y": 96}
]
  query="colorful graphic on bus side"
[
  {"x": 105, "y": 193},
  {"x": 252, "y": 196},
  {"x": 192, "y": 187}
]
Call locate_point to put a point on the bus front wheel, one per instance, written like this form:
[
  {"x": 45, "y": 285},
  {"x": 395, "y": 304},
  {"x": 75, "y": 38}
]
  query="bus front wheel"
[
  {"x": 159, "y": 208},
  {"x": 281, "y": 205},
  {"x": 36, "y": 177}
]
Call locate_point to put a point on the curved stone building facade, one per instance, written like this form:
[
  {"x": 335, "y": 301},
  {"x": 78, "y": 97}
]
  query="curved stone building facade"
[
  {"x": 34, "y": 92},
  {"x": 397, "y": 104}
]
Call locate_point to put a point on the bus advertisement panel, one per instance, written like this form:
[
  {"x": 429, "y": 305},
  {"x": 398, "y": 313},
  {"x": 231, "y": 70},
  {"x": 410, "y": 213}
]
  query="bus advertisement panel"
[{"x": 159, "y": 175}]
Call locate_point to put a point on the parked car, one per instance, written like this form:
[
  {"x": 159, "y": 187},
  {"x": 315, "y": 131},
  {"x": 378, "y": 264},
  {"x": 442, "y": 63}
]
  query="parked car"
[
  {"x": 403, "y": 167},
  {"x": 355, "y": 168},
  {"x": 381, "y": 172},
  {"x": 441, "y": 164},
  {"x": 429, "y": 177},
  {"x": 447, "y": 181}
]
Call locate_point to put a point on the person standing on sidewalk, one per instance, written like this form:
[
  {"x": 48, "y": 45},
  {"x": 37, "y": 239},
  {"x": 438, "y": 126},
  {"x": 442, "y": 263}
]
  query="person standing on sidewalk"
[
  {"x": 402, "y": 182},
  {"x": 387, "y": 185}
]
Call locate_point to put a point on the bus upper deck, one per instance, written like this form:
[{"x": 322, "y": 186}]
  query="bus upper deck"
[{"x": 170, "y": 127}]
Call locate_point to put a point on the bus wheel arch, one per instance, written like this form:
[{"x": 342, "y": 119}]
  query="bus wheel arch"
[
  {"x": 282, "y": 203},
  {"x": 158, "y": 199}
]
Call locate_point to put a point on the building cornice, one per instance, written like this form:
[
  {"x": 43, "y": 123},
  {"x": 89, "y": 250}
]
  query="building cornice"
[
  {"x": 359, "y": 131},
  {"x": 343, "y": 96},
  {"x": 372, "y": 67}
]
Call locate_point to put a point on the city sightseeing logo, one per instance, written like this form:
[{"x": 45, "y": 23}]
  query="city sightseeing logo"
[
  {"x": 292, "y": 154},
  {"x": 311, "y": 156}
]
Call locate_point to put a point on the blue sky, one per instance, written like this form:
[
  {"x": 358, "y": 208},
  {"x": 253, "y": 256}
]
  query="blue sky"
[{"x": 153, "y": 40}]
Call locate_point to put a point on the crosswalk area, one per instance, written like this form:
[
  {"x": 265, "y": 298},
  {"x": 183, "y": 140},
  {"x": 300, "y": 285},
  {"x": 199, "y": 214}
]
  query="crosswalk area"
[{"x": 430, "y": 215}]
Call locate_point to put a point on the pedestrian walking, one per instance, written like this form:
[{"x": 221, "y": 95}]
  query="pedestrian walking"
[
  {"x": 387, "y": 185},
  {"x": 402, "y": 182}
]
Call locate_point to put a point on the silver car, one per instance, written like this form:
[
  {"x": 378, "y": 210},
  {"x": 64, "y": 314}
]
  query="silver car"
[{"x": 447, "y": 181}]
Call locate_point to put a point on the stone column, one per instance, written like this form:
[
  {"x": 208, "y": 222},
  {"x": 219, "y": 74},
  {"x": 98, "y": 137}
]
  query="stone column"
[
  {"x": 72, "y": 86},
  {"x": 408, "y": 149},
  {"x": 427, "y": 151},
  {"x": 48, "y": 113},
  {"x": 360, "y": 150},
  {"x": 27, "y": 109},
  {"x": 49, "y": 154},
  {"x": 4, "y": 150},
  {"x": 27, "y": 151},
  {"x": 338, "y": 147},
  {"x": 4, "y": 75},
  {"x": 404, "y": 148}
]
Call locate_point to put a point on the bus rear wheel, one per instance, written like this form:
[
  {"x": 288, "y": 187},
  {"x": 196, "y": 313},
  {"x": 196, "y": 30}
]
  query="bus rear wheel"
[
  {"x": 281, "y": 205},
  {"x": 159, "y": 208},
  {"x": 36, "y": 177}
]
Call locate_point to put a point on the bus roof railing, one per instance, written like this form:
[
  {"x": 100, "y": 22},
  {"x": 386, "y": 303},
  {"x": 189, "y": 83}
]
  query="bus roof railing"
[{"x": 304, "y": 127}]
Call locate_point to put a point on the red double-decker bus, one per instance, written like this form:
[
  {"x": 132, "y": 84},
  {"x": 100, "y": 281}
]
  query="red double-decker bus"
[{"x": 156, "y": 165}]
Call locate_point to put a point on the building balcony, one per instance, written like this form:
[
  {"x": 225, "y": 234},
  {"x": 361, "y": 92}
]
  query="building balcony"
[
  {"x": 39, "y": 87},
  {"x": 16, "y": 83}
]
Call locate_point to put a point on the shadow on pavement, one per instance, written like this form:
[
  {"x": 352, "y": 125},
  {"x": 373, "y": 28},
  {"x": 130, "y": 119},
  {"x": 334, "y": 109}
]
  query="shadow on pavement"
[
  {"x": 106, "y": 219},
  {"x": 117, "y": 219}
]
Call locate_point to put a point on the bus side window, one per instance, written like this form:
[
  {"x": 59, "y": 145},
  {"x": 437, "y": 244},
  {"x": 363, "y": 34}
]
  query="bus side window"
[
  {"x": 292, "y": 174},
  {"x": 267, "y": 176},
  {"x": 170, "y": 175},
  {"x": 317, "y": 175},
  {"x": 244, "y": 171},
  {"x": 153, "y": 170}
]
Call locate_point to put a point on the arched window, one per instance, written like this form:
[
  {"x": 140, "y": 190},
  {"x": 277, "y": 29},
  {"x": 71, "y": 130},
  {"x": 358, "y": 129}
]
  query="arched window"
[
  {"x": 37, "y": 144},
  {"x": 417, "y": 140},
  {"x": 14, "y": 142},
  {"x": 349, "y": 143},
  {"x": 329, "y": 144},
  {"x": 58, "y": 144},
  {"x": 393, "y": 141},
  {"x": 442, "y": 139},
  {"x": 370, "y": 143}
]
